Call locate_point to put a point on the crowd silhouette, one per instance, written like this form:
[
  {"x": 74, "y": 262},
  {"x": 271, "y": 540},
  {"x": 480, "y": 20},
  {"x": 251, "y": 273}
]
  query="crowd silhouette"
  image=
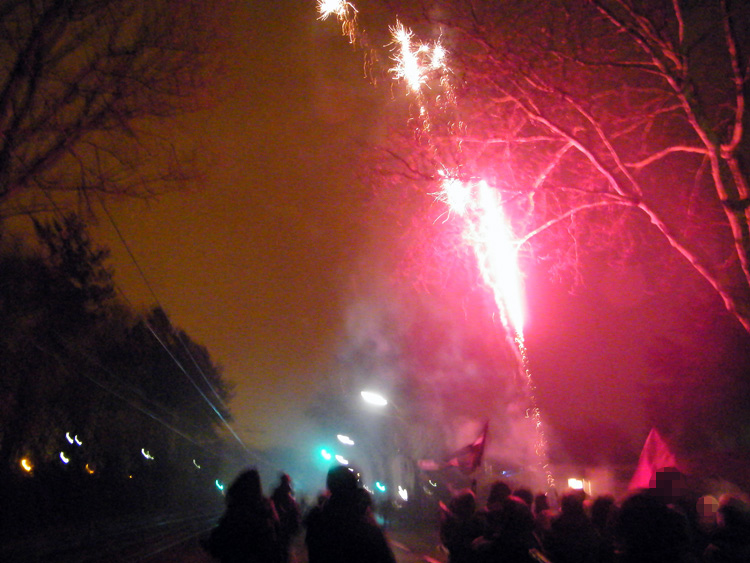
[{"x": 665, "y": 523}]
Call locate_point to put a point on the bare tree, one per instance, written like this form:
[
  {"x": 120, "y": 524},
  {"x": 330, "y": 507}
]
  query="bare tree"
[
  {"x": 85, "y": 86},
  {"x": 602, "y": 122}
]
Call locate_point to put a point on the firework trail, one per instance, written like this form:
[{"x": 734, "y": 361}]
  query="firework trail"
[{"x": 485, "y": 227}]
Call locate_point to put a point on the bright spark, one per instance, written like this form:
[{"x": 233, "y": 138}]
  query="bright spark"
[
  {"x": 487, "y": 232},
  {"x": 437, "y": 58},
  {"x": 415, "y": 64},
  {"x": 455, "y": 193},
  {"x": 338, "y": 8},
  {"x": 344, "y": 11},
  {"x": 407, "y": 63}
]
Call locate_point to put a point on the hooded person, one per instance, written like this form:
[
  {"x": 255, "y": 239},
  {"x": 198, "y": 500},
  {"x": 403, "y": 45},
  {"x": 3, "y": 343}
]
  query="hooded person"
[
  {"x": 343, "y": 529},
  {"x": 248, "y": 531}
]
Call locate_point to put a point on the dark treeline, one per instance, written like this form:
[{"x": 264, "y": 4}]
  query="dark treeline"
[{"x": 102, "y": 409}]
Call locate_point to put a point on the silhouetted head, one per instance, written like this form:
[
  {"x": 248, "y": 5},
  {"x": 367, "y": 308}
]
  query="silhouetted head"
[
  {"x": 464, "y": 503},
  {"x": 668, "y": 483},
  {"x": 734, "y": 512},
  {"x": 525, "y": 495},
  {"x": 499, "y": 491},
  {"x": 516, "y": 516},
  {"x": 646, "y": 528},
  {"x": 602, "y": 510},
  {"x": 342, "y": 480},
  {"x": 285, "y": 482},
  {"x": 572, "y": 503},
  {"x": 541, "y": 503},
  {"x": 246, "y": 488}
]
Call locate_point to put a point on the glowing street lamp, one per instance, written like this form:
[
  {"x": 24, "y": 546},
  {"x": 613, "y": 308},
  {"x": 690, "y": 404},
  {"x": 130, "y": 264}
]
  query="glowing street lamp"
[
  {"x": 374, "y": 398},
  {"x": 346, "y": 440}
]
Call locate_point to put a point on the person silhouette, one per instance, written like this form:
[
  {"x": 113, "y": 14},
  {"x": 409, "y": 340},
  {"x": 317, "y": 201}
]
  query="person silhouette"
[
  {"x": 343, "y": 529},
  {"x": 289, "y": 514},
  {"x": 248, "y": 531}
]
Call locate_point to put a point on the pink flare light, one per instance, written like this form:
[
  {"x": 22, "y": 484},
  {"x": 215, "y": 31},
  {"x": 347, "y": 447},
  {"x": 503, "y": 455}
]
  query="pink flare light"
[{"x": 487, "y": 231}]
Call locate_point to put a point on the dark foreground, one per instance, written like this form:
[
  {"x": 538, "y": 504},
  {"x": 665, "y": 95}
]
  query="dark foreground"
[{"x": 173, "y": 538}]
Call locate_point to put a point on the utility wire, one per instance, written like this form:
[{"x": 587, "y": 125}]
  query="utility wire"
[{"x": 163, "y": 344}]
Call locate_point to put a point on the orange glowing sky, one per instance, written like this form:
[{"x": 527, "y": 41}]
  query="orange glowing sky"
[{"x": 253, "y": 263}]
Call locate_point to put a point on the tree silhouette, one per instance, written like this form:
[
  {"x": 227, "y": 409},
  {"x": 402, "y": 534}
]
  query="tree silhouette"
[
  {"x": 76, "y": 362},
  {"x": 606, "y": 125},
  {"x": 84, "y": 85}
]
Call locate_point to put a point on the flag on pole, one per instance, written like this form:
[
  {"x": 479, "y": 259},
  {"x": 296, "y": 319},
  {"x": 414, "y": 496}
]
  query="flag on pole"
[
  {"x": 655, "y": 456},
  {"x": 468, "y": 458}
]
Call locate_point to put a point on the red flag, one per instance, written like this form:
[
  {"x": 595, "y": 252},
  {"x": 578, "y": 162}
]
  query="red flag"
[
  {"x": 468, "y": 458},
  {"x": 655, "y": 455}
]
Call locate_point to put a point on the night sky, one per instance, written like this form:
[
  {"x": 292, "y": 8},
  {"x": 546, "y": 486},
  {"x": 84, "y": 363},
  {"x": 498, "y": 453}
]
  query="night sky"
[
  {"x": 265, "y": 260},
  {"x": 254, "y": 262}
]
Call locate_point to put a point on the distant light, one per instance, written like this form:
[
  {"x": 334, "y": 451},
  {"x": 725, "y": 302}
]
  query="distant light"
[
  {"x": 380, "y": 486},
  {"x": 63, "y": 458},
  {"x": 68, "y": 437},
  {"x": 374, "y": 398},
  {"x": 326, "y": 455},
  {"x": 146, "y": 454},
  {"x": 575, "y": 483},
  {"x": 219, "y": 485},
  {"x": 78, "y": 441},
  {"x": 196, "y": 464},
  {"x": 403, "y": 493},
  {"x": 89, "y": 469},
  {"x": 346, "y": 440},
  {"x": 26, "y": 465},
  {"x": 431, "y": 482},
  {"x": 342, "y": 460}
]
